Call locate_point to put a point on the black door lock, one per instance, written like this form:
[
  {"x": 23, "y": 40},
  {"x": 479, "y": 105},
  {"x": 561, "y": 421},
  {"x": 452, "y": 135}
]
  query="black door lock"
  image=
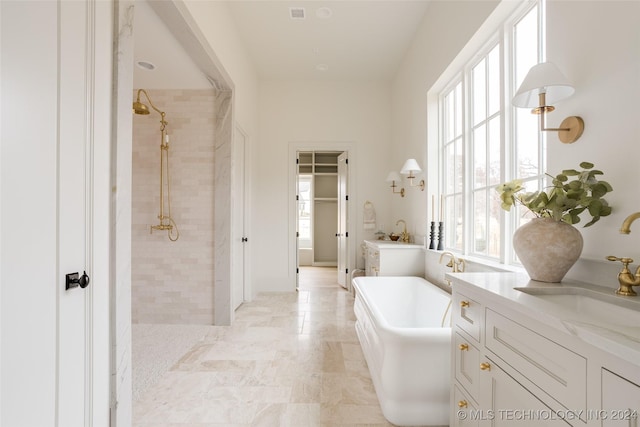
[{"x": 74, "y": 279}]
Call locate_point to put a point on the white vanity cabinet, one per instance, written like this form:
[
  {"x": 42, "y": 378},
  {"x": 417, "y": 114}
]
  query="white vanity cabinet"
[
  {"x": 386, "y": 258},
  {"x": 620, "y": 401},
  {"x": 519, "y": 364},
  {"x": 484, "y": 393}
]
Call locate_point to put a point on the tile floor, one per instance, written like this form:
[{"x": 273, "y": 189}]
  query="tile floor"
[{"x": 288, "y": 360}]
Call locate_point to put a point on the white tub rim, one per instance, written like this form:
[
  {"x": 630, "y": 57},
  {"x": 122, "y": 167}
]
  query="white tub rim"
[{"x": 443, "y": 332}]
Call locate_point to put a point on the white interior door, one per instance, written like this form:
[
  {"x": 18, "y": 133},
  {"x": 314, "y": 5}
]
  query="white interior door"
[
  {"x": 240, "y": 238},
  {"x": 343, "y": 220},
  {"x": 73, "y": 251},
  {"x": 55, "y": 153},
  {"x": 298, "y": 202}
]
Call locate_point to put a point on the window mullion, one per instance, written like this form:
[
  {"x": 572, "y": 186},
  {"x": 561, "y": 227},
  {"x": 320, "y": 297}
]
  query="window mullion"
[{"x": 467, "y": 186}]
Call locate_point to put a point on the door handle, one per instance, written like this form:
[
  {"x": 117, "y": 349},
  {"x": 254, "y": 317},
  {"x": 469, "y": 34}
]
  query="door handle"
[
  {"x": 244, "y": 239},
  {"x": 73, "y": 280}
]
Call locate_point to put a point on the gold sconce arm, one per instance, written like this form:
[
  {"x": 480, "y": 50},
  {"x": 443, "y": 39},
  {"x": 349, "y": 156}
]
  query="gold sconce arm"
[
  {"x": 570, "y": 129},
  {"x": 393, "y": 189},
  {"x": 394, "y": 177}
]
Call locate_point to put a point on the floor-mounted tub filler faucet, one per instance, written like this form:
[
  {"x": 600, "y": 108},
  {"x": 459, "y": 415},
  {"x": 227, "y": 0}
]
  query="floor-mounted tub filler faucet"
[{"x": 626, "y": 279}]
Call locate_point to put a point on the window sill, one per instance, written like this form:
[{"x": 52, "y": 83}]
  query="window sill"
[{"x": 479, "y": 264}]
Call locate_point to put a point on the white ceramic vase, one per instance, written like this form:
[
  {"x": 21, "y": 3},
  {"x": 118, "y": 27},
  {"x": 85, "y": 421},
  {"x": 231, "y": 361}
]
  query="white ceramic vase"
[{"x": 547, "y": 248}]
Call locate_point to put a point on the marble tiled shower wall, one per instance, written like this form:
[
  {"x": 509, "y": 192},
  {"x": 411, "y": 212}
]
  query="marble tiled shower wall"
[{"x": 173, "y": 282}]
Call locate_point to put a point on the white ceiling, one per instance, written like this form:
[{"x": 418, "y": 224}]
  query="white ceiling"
[
  {"x": 361, "y": 39},
  {"x": 155, "y": 44}
]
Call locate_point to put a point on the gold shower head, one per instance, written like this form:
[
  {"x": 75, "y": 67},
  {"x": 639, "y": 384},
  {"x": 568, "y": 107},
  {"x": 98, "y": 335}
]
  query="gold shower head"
[{"x": 140, "y": 108}]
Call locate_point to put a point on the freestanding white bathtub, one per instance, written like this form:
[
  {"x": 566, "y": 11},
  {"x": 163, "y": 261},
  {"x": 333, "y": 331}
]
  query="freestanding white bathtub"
[{"x": 403, "y": 324}]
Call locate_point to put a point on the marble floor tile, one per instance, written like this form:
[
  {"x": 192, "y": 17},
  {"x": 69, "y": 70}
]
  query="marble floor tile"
[{"x": 289, "y": 359}]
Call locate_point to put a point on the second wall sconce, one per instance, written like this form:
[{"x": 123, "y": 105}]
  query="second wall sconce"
[
  {"x": 545, "y": 84},
  {"x": 411, "y": 166},
  {"x": 394, "y": 177}
]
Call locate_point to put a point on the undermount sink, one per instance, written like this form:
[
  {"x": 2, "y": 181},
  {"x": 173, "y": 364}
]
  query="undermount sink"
[{"x": 598, "y": 306}]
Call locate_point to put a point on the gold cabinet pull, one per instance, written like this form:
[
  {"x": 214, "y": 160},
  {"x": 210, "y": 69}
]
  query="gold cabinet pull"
[
  {"x": 463, "y": 347},
  {"x": 464, "y": 303},
  {"x": 462, "y": 404},
  {"x": 485, "y": 366}
]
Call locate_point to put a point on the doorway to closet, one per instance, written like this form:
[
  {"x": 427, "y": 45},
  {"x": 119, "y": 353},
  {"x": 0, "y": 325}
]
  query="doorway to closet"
[{"x": 321, "y": 218}]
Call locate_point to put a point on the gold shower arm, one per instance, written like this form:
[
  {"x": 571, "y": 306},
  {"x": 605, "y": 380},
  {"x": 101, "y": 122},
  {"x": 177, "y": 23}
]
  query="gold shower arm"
[{"x": 140, "y": 108}]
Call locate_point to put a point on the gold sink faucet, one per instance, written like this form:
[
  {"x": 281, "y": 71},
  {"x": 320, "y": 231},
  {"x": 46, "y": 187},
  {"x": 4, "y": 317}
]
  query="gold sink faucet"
[
  {"x": 404, "y": 236},
  {"x": 457, "y": 265},
  {"x": 626, "y": 279},
  {"x": 626, "y": 224}
]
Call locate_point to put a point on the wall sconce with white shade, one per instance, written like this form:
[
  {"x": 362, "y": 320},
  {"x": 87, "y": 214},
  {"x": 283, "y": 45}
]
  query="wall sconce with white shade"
[
  {"x": 411, "y": 166},
  {"x": 545, "y": 84},
  {"x": 394, "y": 177}
]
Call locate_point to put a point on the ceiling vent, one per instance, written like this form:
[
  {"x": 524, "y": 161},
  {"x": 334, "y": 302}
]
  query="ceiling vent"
[{"x": 296, "y": 13}]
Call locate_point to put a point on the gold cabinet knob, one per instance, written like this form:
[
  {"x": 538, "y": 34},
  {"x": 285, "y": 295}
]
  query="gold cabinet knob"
[
  {"x": 462, "y": 404},
  {"x": 463, "y": 347},
  {"x": 464, "y": 303},
  {"x": 485, "y": 366}
]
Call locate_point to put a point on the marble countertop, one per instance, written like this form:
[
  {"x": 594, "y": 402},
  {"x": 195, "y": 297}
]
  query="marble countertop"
[
  {"x": 611, "y": 322},
  {"x": 390, "y": 244}
]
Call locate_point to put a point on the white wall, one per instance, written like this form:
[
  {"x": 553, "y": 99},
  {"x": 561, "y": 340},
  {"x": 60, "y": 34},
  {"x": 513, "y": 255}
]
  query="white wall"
[
  {"x": 217, "y": 25},
  {"x": 323, "y": 113},
  {"x": 446, "y": 28},
  {"x": 595, "y": 43}
]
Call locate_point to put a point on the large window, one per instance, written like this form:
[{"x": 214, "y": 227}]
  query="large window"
[
  {"x": 485, "y": 141},
  {"x": 305, "y": 208}
]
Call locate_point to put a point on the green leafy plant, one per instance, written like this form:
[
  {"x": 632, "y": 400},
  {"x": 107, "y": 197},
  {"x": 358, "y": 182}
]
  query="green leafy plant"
[{"x": 572, "y": 193}]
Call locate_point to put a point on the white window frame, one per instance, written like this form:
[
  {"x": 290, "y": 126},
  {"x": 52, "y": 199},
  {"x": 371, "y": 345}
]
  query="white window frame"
[{"x": 497, "y": 30}]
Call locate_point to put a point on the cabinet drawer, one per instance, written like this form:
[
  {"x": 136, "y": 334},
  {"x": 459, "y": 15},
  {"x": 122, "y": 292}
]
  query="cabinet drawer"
[
  {"x": 550, "y": 366},
  {"x": 467, "y": 362},
  {"x": 510, "y": 404},
  {"x": 464, "y": 412},
  {"x": 467, "y": 315}
]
